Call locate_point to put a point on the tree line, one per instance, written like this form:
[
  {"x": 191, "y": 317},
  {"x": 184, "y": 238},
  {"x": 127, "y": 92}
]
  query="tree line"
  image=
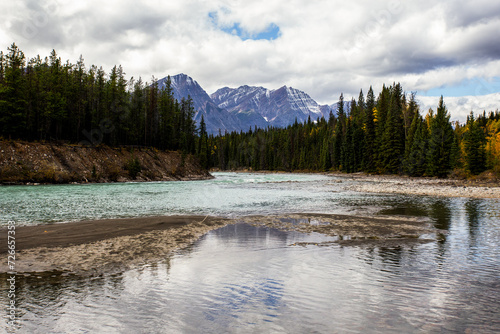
[
  {"x": 48, "y": 100},
  {"x": 386, "y": 134}
]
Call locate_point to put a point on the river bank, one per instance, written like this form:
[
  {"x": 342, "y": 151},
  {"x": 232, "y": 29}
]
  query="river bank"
[
  {"x": 392, "y": 184},
  {"x": 483, "y": 186},
  {"x": 112, "y": 245},
  {"x": 34, "y": 162}
]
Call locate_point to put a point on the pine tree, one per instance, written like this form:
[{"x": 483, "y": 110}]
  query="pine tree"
[
  {"x": 348, "y": 149},
  {"x": 392, "y": 148},
  {"x": 474, "y": 146},
  {"x": 440, "y": 143},
  {"x": 369, "y": 153},
  {"x": 409, "y": 113},
  {"x": 12, "y": 94},
  {"x": 409, "y": 140},
  {"x": 203, "y": 144},
  {"x": 416, "y": 160},
  {"x": 339, "y": 134},
  {"x": 380, "y": 116}
]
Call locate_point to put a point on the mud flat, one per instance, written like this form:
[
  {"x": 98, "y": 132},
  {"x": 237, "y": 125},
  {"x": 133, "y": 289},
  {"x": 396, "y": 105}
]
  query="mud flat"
[
  {"x": 92, "y": 248},
  {"x": 112, "y": 245},
  {"x": 353, "y": 230},
  {"x": 421, "y": 186}
]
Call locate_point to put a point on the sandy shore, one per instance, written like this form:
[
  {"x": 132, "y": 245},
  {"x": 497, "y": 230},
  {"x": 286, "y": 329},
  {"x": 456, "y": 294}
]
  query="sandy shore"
[
  {"x": 421, "y": 186},
  {"x": 104, "y": 246},
  {"x": 353, "y": 230},
  {"x": 396, "y": 184},
  {"x": 112, "y": 245}
]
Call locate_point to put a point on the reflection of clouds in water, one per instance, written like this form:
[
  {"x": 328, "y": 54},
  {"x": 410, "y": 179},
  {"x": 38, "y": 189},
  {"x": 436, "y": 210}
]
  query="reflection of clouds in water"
[{"x": 242, "y": 278}]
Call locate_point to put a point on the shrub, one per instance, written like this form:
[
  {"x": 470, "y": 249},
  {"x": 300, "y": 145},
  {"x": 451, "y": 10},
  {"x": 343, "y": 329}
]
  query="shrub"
[{"x": 133, "y": 167}]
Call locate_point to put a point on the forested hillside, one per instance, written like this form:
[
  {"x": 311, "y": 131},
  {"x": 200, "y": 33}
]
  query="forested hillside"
[
  {"x": 386, "y": 134},
  {"x": 48, "y": 100}
]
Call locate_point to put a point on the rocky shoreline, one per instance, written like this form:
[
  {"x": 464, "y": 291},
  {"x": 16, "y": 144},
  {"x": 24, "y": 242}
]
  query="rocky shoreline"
[
  {"x": 486, "y": 187},
  {"x": 422, "y": 186}
]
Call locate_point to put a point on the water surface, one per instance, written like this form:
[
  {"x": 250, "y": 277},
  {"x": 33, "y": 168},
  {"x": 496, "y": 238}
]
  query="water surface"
[{"x": 242, "y": 279}]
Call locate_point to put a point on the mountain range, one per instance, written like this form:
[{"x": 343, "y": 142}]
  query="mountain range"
[{"x": 242, "y": 108}]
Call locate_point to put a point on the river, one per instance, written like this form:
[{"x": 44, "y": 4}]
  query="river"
[{"x": 242, "y": 278}]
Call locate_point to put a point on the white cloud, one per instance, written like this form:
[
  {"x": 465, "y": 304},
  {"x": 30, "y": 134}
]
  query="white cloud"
[
  {"x": 460, "y": 107},
  {"x": 325, "y": 47}
]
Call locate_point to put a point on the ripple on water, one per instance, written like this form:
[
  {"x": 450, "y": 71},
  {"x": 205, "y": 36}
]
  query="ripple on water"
[{"x": 243, "y": 278}]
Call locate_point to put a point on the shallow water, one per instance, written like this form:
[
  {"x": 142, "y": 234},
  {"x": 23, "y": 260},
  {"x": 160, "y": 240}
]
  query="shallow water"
[
  {"x": 229, "y": 194},
  {"x": 242, "y": 279}
]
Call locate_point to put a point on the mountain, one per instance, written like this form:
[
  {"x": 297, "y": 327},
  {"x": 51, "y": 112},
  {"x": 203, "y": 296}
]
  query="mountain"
[
  {"x": 215, "y": 118},
  {"x": 265, "y": 107},
  {"x": 242, "y": 108}
]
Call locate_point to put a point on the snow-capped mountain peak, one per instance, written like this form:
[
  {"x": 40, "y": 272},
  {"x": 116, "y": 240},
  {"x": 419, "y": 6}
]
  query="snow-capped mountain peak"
[
  {"x": 278, "y": 107},
  {"x": 236, "y": 109}
]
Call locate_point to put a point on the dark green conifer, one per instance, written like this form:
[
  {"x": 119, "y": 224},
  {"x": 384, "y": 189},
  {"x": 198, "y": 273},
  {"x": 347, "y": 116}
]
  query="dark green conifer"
[
  {"x": 392, "y": 148},
  {"x": 440, "y": 143},
  {"x": 474, "y": 146}
]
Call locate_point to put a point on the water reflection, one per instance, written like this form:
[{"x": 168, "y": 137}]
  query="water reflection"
[
  {"x": 242, "y": 278},
  {"x": 441, "y": 214},
  {"x": 407, "y": 207},
  {"x": 252, "y": 279},
  {"x": 472, "y": 210},
  {"x": 391, "y": 256}
]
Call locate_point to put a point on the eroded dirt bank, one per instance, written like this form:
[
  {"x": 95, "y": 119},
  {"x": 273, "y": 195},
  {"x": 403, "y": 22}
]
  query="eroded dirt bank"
[{"x": 27, "y": 162}]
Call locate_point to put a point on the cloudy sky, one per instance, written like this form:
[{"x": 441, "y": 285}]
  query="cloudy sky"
[{"x": 322, "y": 47}]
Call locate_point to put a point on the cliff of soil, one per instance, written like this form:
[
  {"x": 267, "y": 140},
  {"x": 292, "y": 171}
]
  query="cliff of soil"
[{"x": 27, "y": 162}]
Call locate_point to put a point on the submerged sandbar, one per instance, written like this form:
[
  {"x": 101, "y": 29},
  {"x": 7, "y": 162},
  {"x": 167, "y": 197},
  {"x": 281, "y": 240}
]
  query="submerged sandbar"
[{"x": 114, "y": 245}]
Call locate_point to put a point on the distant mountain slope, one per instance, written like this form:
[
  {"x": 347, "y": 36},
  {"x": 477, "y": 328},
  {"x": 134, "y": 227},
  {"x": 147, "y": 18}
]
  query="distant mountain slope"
[
  {"x": 242, "y": 108},
  {"x": 278, "y": 107},
  {"x": 215, "y": 118},
  {"x": 243, "y": 103},
  {"x": 239, "y": 109}
]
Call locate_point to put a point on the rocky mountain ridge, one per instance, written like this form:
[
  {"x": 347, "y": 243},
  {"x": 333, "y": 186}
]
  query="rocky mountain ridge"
[{"x": 242, "y": 108}]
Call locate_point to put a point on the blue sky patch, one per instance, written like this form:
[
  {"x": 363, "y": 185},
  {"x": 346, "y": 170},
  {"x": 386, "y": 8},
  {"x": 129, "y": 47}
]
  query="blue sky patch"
[
  {"x": 272, "y": 31},
  {"x": 474, "y": 87}
]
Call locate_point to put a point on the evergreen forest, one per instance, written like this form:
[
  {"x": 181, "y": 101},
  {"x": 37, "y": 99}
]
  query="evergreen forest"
[
  {"x": 383, "y": 134},
  {"x": 48, "y": 100}
]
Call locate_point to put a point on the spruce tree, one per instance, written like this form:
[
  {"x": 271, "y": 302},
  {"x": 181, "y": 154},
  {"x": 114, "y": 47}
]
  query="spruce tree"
[
  {"x": 325, "y": 155},
  {"x": 440, "y": 143},
  {"x": 409, "y": 139},
  {"x": 474, "y": 146},
  {"x": 369, "y": 152},
  {"x": 348, "y": 149},
  {"x": 392, "y": 148},
  {"x": 13, "y": 94},
  {"x": 416, "y": 160},
  {"x": 339, "y": 134},
  {"x": 382, "y": 109},
  {"x": 202, "y": 151}
]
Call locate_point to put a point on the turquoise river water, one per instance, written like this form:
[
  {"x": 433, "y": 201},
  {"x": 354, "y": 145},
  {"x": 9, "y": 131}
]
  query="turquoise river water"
[{"x": 246, "y": 279}]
